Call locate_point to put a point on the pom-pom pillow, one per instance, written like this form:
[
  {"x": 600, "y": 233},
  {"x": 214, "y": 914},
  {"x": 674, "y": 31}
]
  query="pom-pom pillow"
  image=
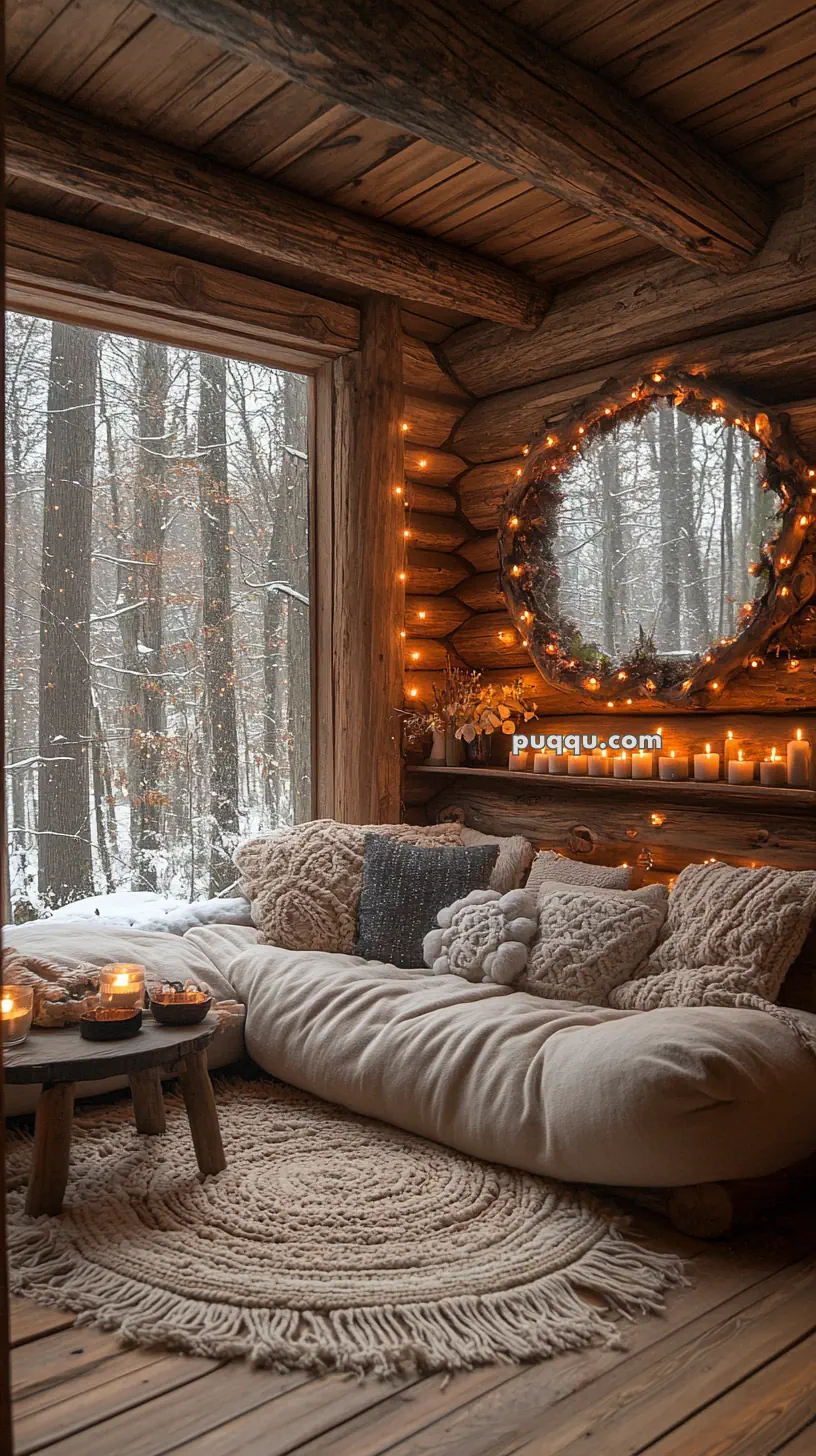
[
  {"x": 404, "y": 888},
  {"x": 483, "y": 937},
  {"x": 304, "y": 882},
  {"x": 548, "y": 865},
  {"x": 590, "y": 940}
]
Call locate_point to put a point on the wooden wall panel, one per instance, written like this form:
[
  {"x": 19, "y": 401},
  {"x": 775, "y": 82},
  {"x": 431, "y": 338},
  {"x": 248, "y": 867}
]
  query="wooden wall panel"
[
  {"x": 434, "y": 533},
  {"x": 430, "y": 466},
  {"x": 421, "y": 497},
  {"x": 489, "y": 639},
  {"x": 433, "y": 616},
  {"x": 482, "y": 593},
  {"x": 483, "y": 488}
]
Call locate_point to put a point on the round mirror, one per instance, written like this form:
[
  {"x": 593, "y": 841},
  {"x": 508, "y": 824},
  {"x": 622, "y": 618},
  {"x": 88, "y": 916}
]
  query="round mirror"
[{"x": 652, "y": 530}]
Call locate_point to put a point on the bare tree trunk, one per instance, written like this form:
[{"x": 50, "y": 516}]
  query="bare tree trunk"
[
  {"x": 219, "y": 664},
  {"x": 295, "y": 484},
  {"x": 725, "y": 623},
  {"x": 100, "y": 800},
  {"x": 613, "y": 591},
  {"x": 143, "y": 627},
  {"x": 669, "y": 634},
  {"x": 694, "y": 586},
  {"x": 65, "y": 869}
]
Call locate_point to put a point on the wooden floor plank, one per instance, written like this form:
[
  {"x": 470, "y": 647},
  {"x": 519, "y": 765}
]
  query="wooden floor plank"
[
  {"x": 41, "y": 1366},
  {"x": 30, "y": 1321},
  {"x": 303, "y": 1413},
  {"x": 508, "y": 1416},
  {"x": 804, "y": 1444},
  {"x": 168, "y": 1413},
  {"x": 651, "y": 1394},
  {"x": 757, "y": 1417}
]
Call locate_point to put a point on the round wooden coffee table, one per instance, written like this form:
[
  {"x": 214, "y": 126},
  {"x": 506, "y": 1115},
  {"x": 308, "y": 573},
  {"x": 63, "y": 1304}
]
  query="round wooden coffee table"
[{"x": 60, "y": 1059}]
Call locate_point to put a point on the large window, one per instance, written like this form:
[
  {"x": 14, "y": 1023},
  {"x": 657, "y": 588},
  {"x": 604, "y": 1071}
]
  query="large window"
[{"x": 157, "y": 612}]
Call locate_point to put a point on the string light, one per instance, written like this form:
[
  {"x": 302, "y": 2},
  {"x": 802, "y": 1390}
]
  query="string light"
[
  {"x": 621, "y": 677},
  {"x": 402, "y": 634},
  {"x": 422, "y": 464},
  {"x": 658, "y": 819},
  {"x": 406, "y": 534},
  {"x": 422, "y": 616},
  {"x": 518, "y": 472},
  {"x": 515, "y": 571},
  {"x": 553, "y": 440},
  {"x": 413, "y": 693},
  {"x": 404, "y": 427},
  {"x": 526, "y": 450},
  {"x": 397, "y": 490},
  {"x": 513, "y": 522},
  {"x": 658, "y": 378},
  {"x": 401, "y": 576},
  {"x": 415, "y": 657}
]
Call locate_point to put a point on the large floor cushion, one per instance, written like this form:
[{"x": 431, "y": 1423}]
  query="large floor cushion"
[
  {"x": 170, "y": 956},
  {"x": 672, "y": 1096}
]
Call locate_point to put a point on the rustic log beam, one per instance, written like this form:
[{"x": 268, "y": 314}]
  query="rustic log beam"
[
  {"x": 465, "y": 77},
  {"x": 72, "y": 272},
  {"x": 436, "y": 533},
  {"x": 482, "y": 593},
  {"x": 483, "y": 488},
  {"x": 52, "y": 144},
  {"x": 419, "y": 497},
  {"x": 430, "y": 466},
  {"x": 766, "y": 359},
  {"x": 433, "y": 571},
  {"x": 490, "y": 639},
  {"x": 771, "y": 690},
  {"x": 424, "y": 655},
  {"x": 431, "y": 418},
  {"x": 482, "y": 552},
  {"x": 359, "y": 550},
  {"x": 643, "y": 306},
  {"x": 433, "y": 616}
]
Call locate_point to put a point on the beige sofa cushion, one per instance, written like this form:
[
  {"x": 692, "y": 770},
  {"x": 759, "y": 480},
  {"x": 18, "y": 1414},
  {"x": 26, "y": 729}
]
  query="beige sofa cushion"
[{"x": 677, "y": 1096}]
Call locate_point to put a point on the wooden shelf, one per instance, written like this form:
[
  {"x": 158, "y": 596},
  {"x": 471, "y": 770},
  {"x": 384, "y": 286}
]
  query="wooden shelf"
[{"x": 693, "y": 794}]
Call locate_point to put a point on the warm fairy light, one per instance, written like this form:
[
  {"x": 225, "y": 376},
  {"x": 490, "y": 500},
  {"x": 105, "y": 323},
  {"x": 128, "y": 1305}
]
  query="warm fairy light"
[
  {"x": 515, "y": 570},
  {"x": 804, "y": 520},
  {"x": 784, "y": 561},
  {"x": 401, "y": 576},
  {"x": 634, "y": 394},
  {"x": 621, "y": 677},
  {"x": 610, "y": 704},
  {"x": 526, "y": 616},
  {"x": 413, "y": 693},
  {"x": 714, "y": 687},
  {"x": 581, "y": 430},
  {"x": 526, "y": 450},
  {"x": 406, "y": 534},
  {"x": 593, "y": 683},
  {"x": 652, "y": 686},
  {"x": 422, "y": 616},
  {"x": 551, "y": 648},
  {"x": 404, "y": 428},
  {"x": 422, "y": 464},
  {"x": 518, "y": 472},
  {"x": 716, "y": 404},
  {"x": 658, "y": 378},
  {"x": 402, "y": 634},
  {"x": 793, "y": 664},
  {"x": 415, "y": 657},
  {"x": 708, "y": 657},
  {"x": 658, "y": 819},
  {"x": 513, "y": 522},
  {"x": 784, "y": 592},
  {"x": 629, "y": 701},
  {"x": 607, "y": 411},
  {"x": 755, "y": 662},
  {"x": 553, "y": 440},
  {"x": 397, "y": 490},
  {"x": 575, "y": 449},
  {"x": 524, "y": 642}
]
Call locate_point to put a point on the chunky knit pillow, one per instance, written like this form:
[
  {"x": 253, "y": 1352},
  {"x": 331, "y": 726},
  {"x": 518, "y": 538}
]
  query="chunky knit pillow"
[
  {"x": 304, "y": 881},
  {"x": 590, "y": 940},
  {"x": 730, "y": 936},
  {"x": 548, "y": 865},
  {"x": 483, "y": 937},
  {"x": 515, "y": 857}
]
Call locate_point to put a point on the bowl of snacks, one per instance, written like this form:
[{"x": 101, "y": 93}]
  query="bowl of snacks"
[{"x": 177, "y": 1003}]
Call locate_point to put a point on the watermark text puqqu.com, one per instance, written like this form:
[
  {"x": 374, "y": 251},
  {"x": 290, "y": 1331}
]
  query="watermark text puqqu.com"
[{"x": 586, "y": 742}]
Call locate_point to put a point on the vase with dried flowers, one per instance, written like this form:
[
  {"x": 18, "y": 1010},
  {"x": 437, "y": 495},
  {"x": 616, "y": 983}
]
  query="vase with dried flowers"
[
  {"x": 493, "y": 708},
  {"x": 464, "y": 714}
]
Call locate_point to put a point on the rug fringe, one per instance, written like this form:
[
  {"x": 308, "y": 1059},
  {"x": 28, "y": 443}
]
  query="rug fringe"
[{"x": 550, "y": 1316}]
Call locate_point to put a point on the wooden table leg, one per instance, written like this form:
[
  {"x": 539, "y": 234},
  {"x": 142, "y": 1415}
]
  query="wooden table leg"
[
  {"x": 202, "y": 1113},
  {"x": 148, "y": 1101},
  {"x": 52, "y": 1149}
]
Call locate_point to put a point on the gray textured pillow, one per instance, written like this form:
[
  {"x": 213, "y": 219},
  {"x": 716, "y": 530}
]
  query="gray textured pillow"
[
  {"x": 405, "y": 887},
  {"x": 548, "y": 865}
]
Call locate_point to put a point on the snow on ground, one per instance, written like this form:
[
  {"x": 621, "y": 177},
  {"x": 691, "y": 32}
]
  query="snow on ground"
[{"x": 145, "y": 910}]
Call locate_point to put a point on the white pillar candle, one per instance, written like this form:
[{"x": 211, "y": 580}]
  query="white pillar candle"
[
  {"x": 541, "y": 763},
  {"x": 621, "y": 767},
  {"x": 577, "y": 763},
  {"x": 731, "y": 750},
  {"x": 741, "y": 770},
  {"x": 599, "y": 765},
  {"x": 558, "y": 763},
  {"x": 707, "y": 766},
  {"x": 518, "y": 761},
  {"x": 673, "y": 769},
  {"x": 773, "y": 772},
  {"x": 799, "y": 755},
  {"x": 642, "y": 765},
  {"x": 122, "y": 986},
  {"x": 16, "y": 1011}
]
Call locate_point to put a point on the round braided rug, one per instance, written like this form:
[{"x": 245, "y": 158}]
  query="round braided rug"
[{"x": 330, "y": 1241}]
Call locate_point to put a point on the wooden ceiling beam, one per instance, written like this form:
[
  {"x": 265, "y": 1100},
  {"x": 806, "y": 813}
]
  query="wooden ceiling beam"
[
  {"x": 49, "y": 143},
  {"x": 463, "y": 76}
]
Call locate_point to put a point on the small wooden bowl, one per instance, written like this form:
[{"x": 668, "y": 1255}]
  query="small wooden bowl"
[
  {"x": 176, "y": 1009},
  {"x": 110, "y": 1024}
]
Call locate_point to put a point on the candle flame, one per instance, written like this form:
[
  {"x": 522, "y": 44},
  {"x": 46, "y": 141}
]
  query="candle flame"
[
  {"x": 6, "y": 1005},
  {"x": 731, "y": 735},
  {"x": 121, "y": 980},
  {"x": 799, "y": 734},
  {"x": 739, "y": 755},
  {"x": 708, "y": 748},
  {"x": 773, "y": 755},
  {"x": 671, "y": 755}
]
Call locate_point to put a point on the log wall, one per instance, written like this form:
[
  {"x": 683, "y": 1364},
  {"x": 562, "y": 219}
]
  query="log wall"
[{"x": 758, "y": 336}]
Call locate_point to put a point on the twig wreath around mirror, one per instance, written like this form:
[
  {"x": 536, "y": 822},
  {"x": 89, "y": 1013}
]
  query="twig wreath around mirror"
[{"x": 785, "y": 569}]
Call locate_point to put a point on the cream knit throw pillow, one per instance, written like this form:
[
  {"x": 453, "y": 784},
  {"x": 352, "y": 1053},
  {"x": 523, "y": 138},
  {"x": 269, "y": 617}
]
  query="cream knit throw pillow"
[
  {"x": 304, "y": 881},
  {"x": 549, "y": 865},
  {"x": 515, "y": 857},
  {"x": 730, "y": 936},
  {"x": 591, "y": 939}
]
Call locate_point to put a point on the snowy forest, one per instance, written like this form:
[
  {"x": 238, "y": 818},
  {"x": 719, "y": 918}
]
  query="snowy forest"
[
  {"x": 659, "y": 522},
  {"x": 157, "y": 612}
]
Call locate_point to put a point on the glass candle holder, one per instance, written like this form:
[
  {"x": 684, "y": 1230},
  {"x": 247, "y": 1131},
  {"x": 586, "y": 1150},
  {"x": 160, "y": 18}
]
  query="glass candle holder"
[
  {"x": 16, "y": 1012},
  {"x": 122, "y": 986}
]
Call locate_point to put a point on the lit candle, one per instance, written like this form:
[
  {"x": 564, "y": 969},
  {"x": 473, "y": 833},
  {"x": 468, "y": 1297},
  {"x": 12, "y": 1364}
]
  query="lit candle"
[
  {"x": 672, "y": 769},
  {"x": 541, "y": 763},
  {"x": 599, "y": 765},
  {"x": 773, "y": 772},
  {"x": 707, "y": 766},
  {"x": 577, "y": 763},
  {"x": 558, "y": 763},
  {"x": 642, "y": 765},
  {"x": 741, "y": 770},
  {"x": 16, "y": 1011},
  {"x": 732, "y": 749},
  {"x": 621, "y": 767},
  {"x": 122, "y": 986},
  {"x": 799, "y": 756}
]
